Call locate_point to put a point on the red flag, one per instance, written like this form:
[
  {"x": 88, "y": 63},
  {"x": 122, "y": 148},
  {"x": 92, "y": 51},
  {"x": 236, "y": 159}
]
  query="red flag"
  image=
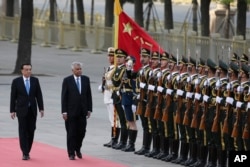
[{"x": 131, "y": 37}]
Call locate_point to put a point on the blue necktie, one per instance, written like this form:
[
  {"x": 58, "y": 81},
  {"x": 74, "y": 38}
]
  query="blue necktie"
[
  {"x": 27, "y": 86},
  {"x": 78, "y": 84}
]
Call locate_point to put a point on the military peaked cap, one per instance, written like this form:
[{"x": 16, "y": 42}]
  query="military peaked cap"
[
  {"x": 164, "y": 56},
  {"x": 233, "y": 67},
  {"x": 183, "y": 60},
  {"x": 202, "y": 63},
  {"x": 192, "y": 61},
  {"x": 223, "y": 66},
  {"x": 120, "y": 53},
  {"x": 234, "y": 57},
  {"x": 244, "y": 58},
  {"x": 211, "y": 64},
  {"x": 145, "y": 52},
  {"x": 172, "y": 59},
  {"x": 245, "y": 68},
  {"x": 155, "y": 55},
  {"x": 111, "y": 51}
]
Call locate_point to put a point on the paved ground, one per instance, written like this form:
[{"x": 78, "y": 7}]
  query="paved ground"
[{"x": 52, "y": 65}]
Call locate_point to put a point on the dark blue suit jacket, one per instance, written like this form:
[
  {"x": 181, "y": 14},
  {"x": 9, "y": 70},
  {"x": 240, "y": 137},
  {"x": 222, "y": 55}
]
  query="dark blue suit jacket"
[
  {"x": 73, "y": 103},
  {"x": 20, "y": 100}
]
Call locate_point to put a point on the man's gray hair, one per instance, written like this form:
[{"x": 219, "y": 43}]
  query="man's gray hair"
[{"x": 76, "y": 63}]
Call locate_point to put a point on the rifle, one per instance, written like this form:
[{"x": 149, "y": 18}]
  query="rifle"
[
  {"x": 194, "y": 122},
  {"x": 159, "y": 101},
  {"x": 237, "y": 121},
  {"x": 179, "y": 105},
  {"x": 245, "y": 134},
  {"x": 150, "y": 98},
  {"x": 229, "y": 107},
  {"x": 203, "y": 117},
  {"x": 103, "y": 80},
  {"x": 216, "y": 121},
  {"x": 186, "y": 120},
  {"x": 142, "y": 94},
  {"x": 168, "y": 103}
]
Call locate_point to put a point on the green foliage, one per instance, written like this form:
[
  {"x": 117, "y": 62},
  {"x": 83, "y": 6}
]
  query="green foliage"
[
  {"x": 226, "y": 2},
  {"x": 144, "y": 1}
]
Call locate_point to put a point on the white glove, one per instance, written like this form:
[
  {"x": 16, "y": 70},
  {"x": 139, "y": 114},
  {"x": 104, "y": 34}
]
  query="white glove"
[
  {"x": 141, "y": 72},
  {"x": 178, "y": 78},
  {"x": 197, "y": 81},
  {"x": 218, "y": 99},
  {"x": 206, "y": 83},
  {"x": 142, "y": 85},
  {"x": 133, "y": 108},
  {"x": 205, "y": 98},
  {"x": 239, "y": 89},
  {"x": 189, "y": 95},
  {"x": 151, "y": 87},
  {"x": 100, "y": 88},
  {"x": 228, "y": 86},
  {"x": 230, "y": 100},
  {"x": 239, "y": 104},
  {"x": 188, "y": 79},
  {"x": 118, "y": 93},
  {"x": 159, "y": 74},
  {"x": 180, "y": 92},
  {"x": 217, "y": 84},
  {"x": 138, "y": 97},
  {"x": 169, "y": 91},
  {"x": 169, "y": 77},
  {"x": 159, "y": 88},
  {"x": 248, "y": 105},
  {"x": 197, "y": 96}
]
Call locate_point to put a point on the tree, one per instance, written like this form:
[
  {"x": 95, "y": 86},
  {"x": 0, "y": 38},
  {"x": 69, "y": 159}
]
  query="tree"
[
  {"x": 81, "y": 18},
  {"x": 195, "y": 19},
  {"x": 168, "y": 15},
  {"x": 205, "y": 18},
  {"x": 10, "y": 8},
  {"x": 241, "y": 17},
  {"x": 53, "y": 18},
  {"x": 138, "y": 13},
  {"x": 25, "y": 35},
  {"x": 227, "y": 18}
]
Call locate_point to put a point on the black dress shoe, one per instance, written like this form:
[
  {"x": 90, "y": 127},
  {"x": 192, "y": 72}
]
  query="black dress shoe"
[
  {"x": 71, "y": 157},
  {"x": 79, "y": 154},
  {"x": 26, "y": 157}
]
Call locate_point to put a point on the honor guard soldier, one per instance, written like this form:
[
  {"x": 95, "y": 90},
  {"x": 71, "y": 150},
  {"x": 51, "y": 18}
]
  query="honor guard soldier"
[
  {"x": 202, "y": 149},
  {"x": 117, "y": 80},
  {"x": 191, "y": 137},
  {"x": 220, "y": 87},
  {"x": 244, "y": 59},
  {"x": 151, "y": 104},
  {"x": 107, "y": 87},
  {"x": 181, "y": 81},
  {"x": 230, "y": 94},
  {"x": 162, "y": 126},
  {"x": 241, "y": 101},
  {"x": 169, "y": 111},
  {"x": 141, "y": 87},
  {"x": 127, "y": 91},
  {"x": 209, "y": 97}
]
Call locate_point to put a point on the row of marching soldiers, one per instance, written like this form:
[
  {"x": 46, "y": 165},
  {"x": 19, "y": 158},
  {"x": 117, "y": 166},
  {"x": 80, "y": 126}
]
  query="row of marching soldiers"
[{"x": 193, "y": 111}]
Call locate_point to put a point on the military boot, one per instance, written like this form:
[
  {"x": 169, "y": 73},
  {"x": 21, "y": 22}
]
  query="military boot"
[
  {"x": 212, "y": 157},
  {"x": 123, "y": 139},
  {"x": 115, "y": 137},
  {"x": 183, "y": 153},
  {"x": 164, "y": 146},
  {"x": 156, "y": 147},
  {"x": 131, "y": 144},
  {"x": 174, "y": 147},
  {"x": 147, "y": 138},
  {"x": 193, "y": 155},
  {"x": 109, "y": 144},
  {"x": 222, "y": 158}
]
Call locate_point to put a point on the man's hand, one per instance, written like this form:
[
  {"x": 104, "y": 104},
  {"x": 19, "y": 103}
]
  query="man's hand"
[
  {"x": 65, "y": 116},
  {"x": 88, "y": 115},
  {"x": 13, "y": 115},
  {"x": 42, "y": 113}
]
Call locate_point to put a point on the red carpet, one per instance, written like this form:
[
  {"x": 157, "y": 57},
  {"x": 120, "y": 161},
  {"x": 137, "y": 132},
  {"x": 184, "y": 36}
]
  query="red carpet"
[{"x": 43, "y": 155}]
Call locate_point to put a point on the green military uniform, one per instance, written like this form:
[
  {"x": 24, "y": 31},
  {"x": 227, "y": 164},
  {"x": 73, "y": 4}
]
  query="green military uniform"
[
  {"x": 162, "y": 126},
  {"x": 141, "y": 86},
  {"x": 151, "y": 105},
  {"x": 116, "y": 95}
]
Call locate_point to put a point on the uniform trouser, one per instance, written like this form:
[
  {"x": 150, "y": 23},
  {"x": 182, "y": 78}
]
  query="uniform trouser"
[
  {"x": 144, "y": 120},
  {"x": 121, "y": 115},
  {"x": 238, "y": 141},
  {"x": 181, "y": 126},
  {"x": 171, "y": 125},
  {"x": 114, "y": 120},
  {"x": 26, "y": 129}
]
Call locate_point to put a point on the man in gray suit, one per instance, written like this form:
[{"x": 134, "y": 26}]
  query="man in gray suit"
[{"x": 76, "y": 101}]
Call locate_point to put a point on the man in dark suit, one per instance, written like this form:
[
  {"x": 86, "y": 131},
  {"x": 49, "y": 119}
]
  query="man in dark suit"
[
  {"x": 25, "y": 96},
  {"x": 76, "y": 101}
]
